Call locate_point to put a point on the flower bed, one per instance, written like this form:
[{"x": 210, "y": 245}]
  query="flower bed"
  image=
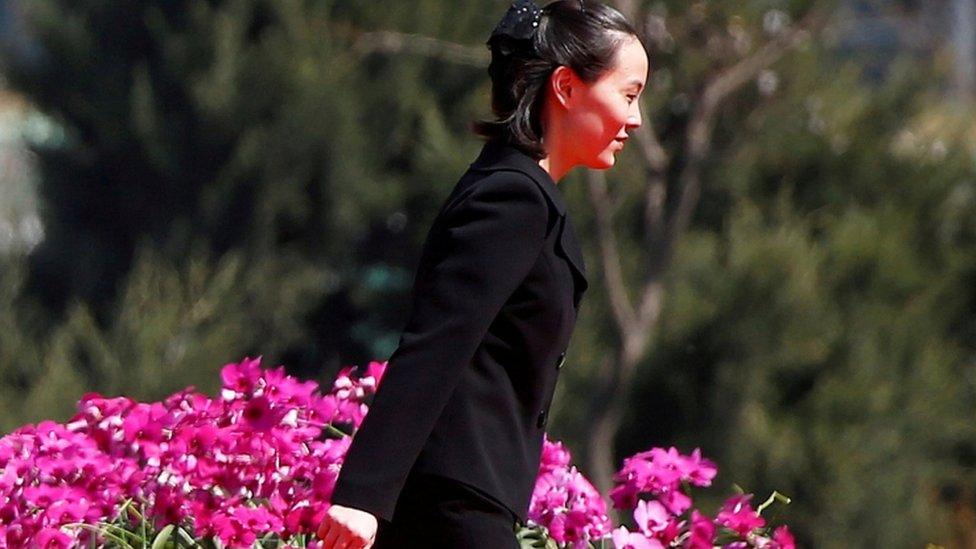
[{"x": 255, "y": 467}]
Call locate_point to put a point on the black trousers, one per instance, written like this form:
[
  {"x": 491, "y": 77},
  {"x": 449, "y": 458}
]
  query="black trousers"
[{"x": 438, "y": 512}]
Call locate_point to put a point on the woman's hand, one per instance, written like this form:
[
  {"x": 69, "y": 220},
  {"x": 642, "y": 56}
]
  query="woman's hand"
[{"x": 347, "y": 528}]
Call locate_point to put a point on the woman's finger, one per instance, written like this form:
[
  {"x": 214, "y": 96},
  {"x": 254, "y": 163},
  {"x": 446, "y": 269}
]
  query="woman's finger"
[
  {"x": 354, "y": 541},
  {"x": 324, "y": 528},
  {"x": 331, "y": 538}
]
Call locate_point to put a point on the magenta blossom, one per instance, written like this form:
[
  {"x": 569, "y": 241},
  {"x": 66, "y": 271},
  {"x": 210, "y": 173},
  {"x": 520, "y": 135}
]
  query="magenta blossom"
[
  {"x": 624, "y": 539},
  {"x": 738, "y": 515},
  {"x": 554, "y": 455},
  {"x": 660, "y": 473},
  {"x": 783, "y": 539},
  {"x": 262, "y": 460},
  {"x": 702, "y": 532},
  {"x": 564, "y": 501},
  {"x": 655, "y": 521},
  {"x": 252, "y": 462}
]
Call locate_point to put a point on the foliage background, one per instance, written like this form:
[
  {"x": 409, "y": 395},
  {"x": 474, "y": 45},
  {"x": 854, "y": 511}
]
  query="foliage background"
[{"x": 186, "y": 182}]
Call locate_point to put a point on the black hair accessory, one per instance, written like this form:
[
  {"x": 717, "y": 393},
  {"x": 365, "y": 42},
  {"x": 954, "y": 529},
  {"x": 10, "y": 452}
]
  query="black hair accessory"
[{"x": 516, "y": 31}]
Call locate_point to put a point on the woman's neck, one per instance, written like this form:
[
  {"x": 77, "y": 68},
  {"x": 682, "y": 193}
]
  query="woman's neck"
[{"x": 555, "y": 163}]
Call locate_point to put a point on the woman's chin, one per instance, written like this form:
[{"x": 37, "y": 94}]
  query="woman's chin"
[{"x": 604, "y": 161}]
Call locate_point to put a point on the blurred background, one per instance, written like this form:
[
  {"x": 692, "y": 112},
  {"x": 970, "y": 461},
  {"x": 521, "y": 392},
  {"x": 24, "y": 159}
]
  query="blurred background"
[{"x": 782, "y": 264}]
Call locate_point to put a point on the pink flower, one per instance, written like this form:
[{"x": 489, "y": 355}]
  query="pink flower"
[
  {"x": 197, "y": 439},
  {"x": 350, "y": 411},
  {"x": 554, "y": 455},
  {"x": 258, "y": 414},
  {"x": 564, "y": 501},
  {"x": 349, "y": 395},
  {"x": 624, "y": 496},
  {"x": 783, "y": 538},
  {"x": 139, "y": 423},
  {"x": 702, "y": 532},
  {"x": 651, "y": 517},
  {"x": 168, "y": 507},
  {"x": 739, "y": 516},
  {"x": 569, "y": 506},
  {"x": 262, "y": 460},
  {"x": 697, "y": 470},
  {"x": 333, "y": 450},
  {"x": 72, "y": 510},
  {"x": 623, "y": 539},
  {"x": 374, "y": 374},
  {"x": 52, "y": 538},
  {"x": 654, "y": 520},
  {"x": 324, "y": 410},
  {"x": 304, "y": 518},
  {"x": 660, "y": 473},
  {"x": 674, "y": 499},
  {"x": 241, "y": 377},
  {"x": 652, "y": 470},
  {"x": 238, "y": 465}
]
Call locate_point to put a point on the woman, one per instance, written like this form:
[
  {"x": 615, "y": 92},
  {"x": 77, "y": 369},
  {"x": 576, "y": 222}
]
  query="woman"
[{"x": 448, "y": 454}]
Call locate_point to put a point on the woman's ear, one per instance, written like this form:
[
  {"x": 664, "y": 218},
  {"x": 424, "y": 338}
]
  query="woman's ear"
[{"x": 562, "y": 82}]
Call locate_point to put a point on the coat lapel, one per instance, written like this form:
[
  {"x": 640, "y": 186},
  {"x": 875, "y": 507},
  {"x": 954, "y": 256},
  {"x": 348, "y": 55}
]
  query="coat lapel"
[
  {"x": 500, "y": 156},
  {"x": 571, "y": 249}
]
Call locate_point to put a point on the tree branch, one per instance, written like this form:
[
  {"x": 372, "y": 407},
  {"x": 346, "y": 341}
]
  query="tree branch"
[
  {"x": 613, "y": 278},
  {"x": 725, "y": 83},
  {"x": 398, "y": 42},
  {"x": 636, "y": 327}
]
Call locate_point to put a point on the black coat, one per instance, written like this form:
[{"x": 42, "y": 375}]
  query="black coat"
[{"x": 467, "y": 392}]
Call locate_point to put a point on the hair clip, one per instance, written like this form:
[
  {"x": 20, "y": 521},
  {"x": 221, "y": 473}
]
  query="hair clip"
[{"x": 516, "y": 30}]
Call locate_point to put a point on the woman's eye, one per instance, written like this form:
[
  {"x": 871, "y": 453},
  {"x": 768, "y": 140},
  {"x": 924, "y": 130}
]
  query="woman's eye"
[{"x": 630, "y": 98}]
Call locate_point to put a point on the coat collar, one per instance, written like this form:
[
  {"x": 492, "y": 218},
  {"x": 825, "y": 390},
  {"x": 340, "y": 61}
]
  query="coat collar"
[{"x": 498, "y": 155}]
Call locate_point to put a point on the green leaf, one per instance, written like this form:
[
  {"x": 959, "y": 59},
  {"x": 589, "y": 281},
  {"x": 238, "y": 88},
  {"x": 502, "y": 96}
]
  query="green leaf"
[
  {"x": 142, "y": 523},
  {"x": 163, "y": 536},
  {"x": 536, "y": 537},
  {"x": 129, "y": 506},
  {"x": 101, "y": 531},
  {"x": 187, "y": 540}
]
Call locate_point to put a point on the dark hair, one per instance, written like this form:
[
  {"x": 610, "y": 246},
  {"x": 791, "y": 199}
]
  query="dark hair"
[{"x": 584, "y": 37}]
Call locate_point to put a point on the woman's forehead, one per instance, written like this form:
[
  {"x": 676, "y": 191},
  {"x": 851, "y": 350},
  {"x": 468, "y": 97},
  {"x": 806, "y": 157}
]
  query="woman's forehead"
[{"x": 630, "y": 64}]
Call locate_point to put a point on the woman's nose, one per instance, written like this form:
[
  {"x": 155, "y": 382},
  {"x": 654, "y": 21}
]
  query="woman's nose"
[{"x": 634, "y": 120}]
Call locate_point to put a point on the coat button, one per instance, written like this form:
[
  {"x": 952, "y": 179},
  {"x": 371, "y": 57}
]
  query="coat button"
[
  {"x": 559, "y": 363},
  {"x": 542, "y": 419}
]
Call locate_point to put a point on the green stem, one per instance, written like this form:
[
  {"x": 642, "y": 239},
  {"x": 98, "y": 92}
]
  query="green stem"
[
  {"x": 100, "y": 531},
  {"x": 775, "y": 496}
]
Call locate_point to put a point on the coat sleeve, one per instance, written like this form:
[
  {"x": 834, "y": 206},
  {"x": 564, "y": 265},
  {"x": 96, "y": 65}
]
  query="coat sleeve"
[{"x": 479, "y": 252}]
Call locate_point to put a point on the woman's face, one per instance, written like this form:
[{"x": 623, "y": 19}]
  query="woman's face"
[{"x": 603, "y": 111}]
